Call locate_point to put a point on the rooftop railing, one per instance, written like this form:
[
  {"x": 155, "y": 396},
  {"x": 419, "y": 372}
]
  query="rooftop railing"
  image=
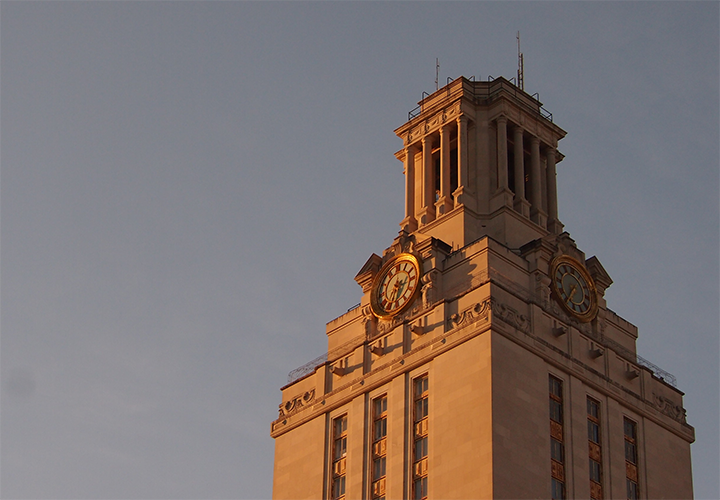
[{"x": 417, "y": 110}]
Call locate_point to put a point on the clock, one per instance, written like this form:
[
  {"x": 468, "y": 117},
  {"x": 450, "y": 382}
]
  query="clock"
[
  {"x": 395, "y": 286},
  {"x": 574, "y": 288}
]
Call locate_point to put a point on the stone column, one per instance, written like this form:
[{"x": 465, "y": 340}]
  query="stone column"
[
  {"x": 427, "y": 210},
  {"x": 537, "y": 214},
  {"x": 554, "y": 225},
  {"x": 503, "y": 196},
  {"x": 502, "y": 160},
  {"x": 409, "y": 223},
  {"x": 521, "y": 204},
  {"x": 463, "y": 188},
  {"x": 444, "y": 203}
]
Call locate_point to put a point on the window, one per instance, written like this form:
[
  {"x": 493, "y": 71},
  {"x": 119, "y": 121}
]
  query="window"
[
  {"x": 594, "y": 471},
  {"x": 631, "y": 459},
  {"x": 594, "y": 449},
  {"x": 632, "y": 490},
  {"x": 556, "y": 450},
  {"x": 339, "y": 457},
  {"x": 557, "y": 447},
  {"x": 593, "y": 431},
  {"x": 420, "y": 438},
  {"x": 556, "y": 408},
  {"x": 558, "y": 490},
  {"x": 379, "y": 447},
  {"x": 630, "y": 442}
]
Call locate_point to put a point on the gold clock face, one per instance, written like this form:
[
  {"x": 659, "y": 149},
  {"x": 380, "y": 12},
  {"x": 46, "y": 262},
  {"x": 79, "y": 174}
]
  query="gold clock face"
[
  {"x": 574, "y": 288},
  {"x": 395, "y": 286}
]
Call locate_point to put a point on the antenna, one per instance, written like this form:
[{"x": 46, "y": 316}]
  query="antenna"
[
  {"x": 437, "y": 71},
  {"x": 520, "y": 76}
]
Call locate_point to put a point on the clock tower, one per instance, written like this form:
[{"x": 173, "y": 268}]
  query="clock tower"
[{"x": 483, "y": 360}]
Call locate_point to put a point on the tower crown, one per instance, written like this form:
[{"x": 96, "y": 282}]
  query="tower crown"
[
  {"x": 483, "y": 341},
  {"x": 479, "y": 159}
]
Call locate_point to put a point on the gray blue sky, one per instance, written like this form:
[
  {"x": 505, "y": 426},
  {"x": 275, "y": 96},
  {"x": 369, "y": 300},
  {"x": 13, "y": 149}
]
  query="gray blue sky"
[{"x": 187, "y": 190}]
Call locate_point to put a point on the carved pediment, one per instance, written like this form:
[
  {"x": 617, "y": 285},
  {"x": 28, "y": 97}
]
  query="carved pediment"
[
  {"x": 599, "y": 275},
  {"x": 366, "y": 274}
]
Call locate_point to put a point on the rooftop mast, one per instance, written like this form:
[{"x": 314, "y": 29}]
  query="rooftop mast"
[{"x": 520, "y": 76}]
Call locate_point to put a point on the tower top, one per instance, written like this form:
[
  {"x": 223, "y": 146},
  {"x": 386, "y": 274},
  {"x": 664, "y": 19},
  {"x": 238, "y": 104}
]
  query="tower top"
[{"x": 479, "y": 159}]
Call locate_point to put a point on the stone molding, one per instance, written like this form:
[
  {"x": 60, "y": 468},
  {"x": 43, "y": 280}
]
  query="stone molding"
[
  {"x": 433, "y": 123},
  {"x": 670, "y": 408},
  {"x": 485, "y": 310},
  {"x": 474, "y": 314},
  {"x": 296, "y": 404}
]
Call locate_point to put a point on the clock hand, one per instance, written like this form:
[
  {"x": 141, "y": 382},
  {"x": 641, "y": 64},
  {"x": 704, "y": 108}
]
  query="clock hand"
[
  {"x": 396, "y": 288},
  {"x": 572, "y": 292}
]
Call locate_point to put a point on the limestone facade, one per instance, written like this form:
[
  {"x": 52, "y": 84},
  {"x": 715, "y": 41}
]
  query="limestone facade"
[{"x": 521, "y": 399}]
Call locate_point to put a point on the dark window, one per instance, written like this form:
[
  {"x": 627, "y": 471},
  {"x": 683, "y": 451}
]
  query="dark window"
[
  {"x": 453, "y": 170},
  {"x": 339, "y": 452},
  {"x": 631, "y": 459},
  {"x": 593, "y": 432},
  {"x": 421, "y": 448},
  {"x": 421, "y": 409},
  {"x": 378, "y": 468},
  {"x": 557, "y": 450},
  {"x": 338, "y": 489},
  {"x": 595, "y": 449},
  {"x": 340, "y": 447},
  {"x": 558, "y": 490},
  {"x": 630, "y": 441},
  {"x": 556, "y": 411},
  {"x": 420, "y": 445},
  {"x": 420, "y": 488},
  {"x": 632, "y": 490},
  {"x": 556, "y": 387},
  {"x": 593, "y": 408},
  {"x": 594, "y": 471},
  {"x": 379, "y": 449}
]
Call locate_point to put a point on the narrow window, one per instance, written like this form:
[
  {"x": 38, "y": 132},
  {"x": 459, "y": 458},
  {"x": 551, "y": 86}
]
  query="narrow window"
[
  {"x": 339, "y": 457},
  {"x": 631, "y": 459},
  {"x": 594, "y": 449},
  {"x": 420, "y": 438},
  {"x": 437, "y": 174},
  {"x": 557, "y": 447},
  {"x": 379, "y": 447},
  {"x": 453, "y": 169}
]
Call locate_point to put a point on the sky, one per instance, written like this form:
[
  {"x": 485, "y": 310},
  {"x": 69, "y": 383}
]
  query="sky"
[{"x": 187, "y": 190}]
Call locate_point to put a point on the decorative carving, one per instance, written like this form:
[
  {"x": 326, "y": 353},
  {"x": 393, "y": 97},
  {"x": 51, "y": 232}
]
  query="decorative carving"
[
  {"x": 512, "y": 317},
  {"x": 428, "y": 290},
  {"x": 404, "y": 243},
  {"x": 557, "y": 470},
  {"x": 542, "y": 289},
  {"x": 481, "y": 312},
  {"x": 669, "y": 408},
  {"x": 478, "y": 312},
  {"x": 369, "y": 322},
  {"x": 296, "y": 404},
  {"x": 385, "y": 325},
  {"x": 631, "y": 471}
]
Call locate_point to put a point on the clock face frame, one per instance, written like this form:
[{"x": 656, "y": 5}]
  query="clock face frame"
[
  {"x": 395, "y": 286},
  {"x": 574, "y": 288}
]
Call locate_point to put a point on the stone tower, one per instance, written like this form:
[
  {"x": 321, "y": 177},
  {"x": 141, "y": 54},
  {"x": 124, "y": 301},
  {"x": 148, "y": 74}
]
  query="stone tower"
[{"x": 483, "y": 361}]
